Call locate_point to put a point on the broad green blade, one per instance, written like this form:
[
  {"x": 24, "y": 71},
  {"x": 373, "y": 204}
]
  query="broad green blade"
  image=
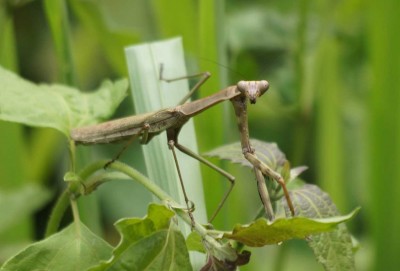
[{"x": 151, "y": 94}]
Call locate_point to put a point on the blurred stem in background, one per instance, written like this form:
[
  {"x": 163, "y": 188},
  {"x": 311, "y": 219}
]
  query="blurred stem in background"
[
  {"x": 305, "y": 93},
  {"x": 57, "y": 17},
  {"x": 59, "y": 24},
  {"x": 384, "y": 132},
  {"x": 13, "y": 165}
]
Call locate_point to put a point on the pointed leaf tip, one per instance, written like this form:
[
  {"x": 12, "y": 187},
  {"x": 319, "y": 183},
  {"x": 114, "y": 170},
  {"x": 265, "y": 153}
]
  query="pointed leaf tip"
[{"x": 261, "y": 232}]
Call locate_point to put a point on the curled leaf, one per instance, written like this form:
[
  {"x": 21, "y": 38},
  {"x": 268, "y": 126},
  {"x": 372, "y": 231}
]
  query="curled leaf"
[
  {"x": 149, "y": 243},
  {"x": 261, "y": 232}
]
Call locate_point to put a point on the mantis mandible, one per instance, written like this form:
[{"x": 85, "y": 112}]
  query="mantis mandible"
[{"x": 172, "y": 119}]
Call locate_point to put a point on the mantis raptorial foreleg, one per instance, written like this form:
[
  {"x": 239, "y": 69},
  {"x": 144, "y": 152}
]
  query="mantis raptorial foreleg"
[
  {"x": 267, "y": 171},
  {"x": 240, "y": 106},
  {"x": 264, "y": 195}
]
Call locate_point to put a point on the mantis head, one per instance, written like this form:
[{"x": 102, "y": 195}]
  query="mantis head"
[{"x": 253, "y": 89}]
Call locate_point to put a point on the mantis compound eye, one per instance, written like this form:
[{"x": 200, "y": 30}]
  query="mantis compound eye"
[
  {"x": 263, "y": 86},
  {"x": 241, "y": 85}
]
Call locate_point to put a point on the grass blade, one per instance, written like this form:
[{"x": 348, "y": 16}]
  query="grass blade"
[{"x": 150, "y": 94}]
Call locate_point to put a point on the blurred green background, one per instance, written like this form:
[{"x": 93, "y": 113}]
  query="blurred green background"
[{"x": 334, "y": 70}]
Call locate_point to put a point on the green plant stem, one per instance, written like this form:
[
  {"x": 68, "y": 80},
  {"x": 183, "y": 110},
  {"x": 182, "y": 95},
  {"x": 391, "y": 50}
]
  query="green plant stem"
[
  {"x": 72, "y": 155},
  {"x": 57, "y": 213},
  {"x": 73, "y": 190},
  {"x": 305, "y": 96},
  {"x": 158, "y": 192},
  {"x": 8, "y": 56},
  {"x": 139, "y": 177},
  {"x": 211, "y": 243},
  {"x": 75, "y": 213},
  {"x": 64, "y": 199}
]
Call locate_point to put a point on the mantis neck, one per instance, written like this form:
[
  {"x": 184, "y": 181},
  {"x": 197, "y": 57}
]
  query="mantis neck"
[{"x": 198, "y": 106}]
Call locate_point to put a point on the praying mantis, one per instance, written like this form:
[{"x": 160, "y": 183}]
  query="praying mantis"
[{"x": 172, "y": 119}]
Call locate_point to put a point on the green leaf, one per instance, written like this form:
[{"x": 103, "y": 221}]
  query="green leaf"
[
  {"x": 74, "y": 248},
  {"x": 56, "y": 106},
  {"x": 151, "y": 243},
  {"x": 268, "y": 153},
  {"x": 261, "y": 232},
  {"x": 194, "y": 242},
  {"x": 18, "y": 204},
  {"x": 71, "y": 177},
  {"x": 134, "y": 229},
  {"x": 334, "y": 250}
]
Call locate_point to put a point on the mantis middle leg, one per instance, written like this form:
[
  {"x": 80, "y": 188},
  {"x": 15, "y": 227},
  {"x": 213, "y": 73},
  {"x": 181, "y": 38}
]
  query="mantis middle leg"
[{"x": 145, "y": 138}]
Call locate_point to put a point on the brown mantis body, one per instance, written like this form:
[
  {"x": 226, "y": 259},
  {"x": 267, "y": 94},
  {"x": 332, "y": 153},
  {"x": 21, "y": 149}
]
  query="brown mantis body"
[
  {"x": 172, "y": 119},
  {"x": 149, "y": 124}
]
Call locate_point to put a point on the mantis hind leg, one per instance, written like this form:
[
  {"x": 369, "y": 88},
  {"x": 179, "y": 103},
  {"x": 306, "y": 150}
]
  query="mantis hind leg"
[{"x": 204, "y": 77}]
